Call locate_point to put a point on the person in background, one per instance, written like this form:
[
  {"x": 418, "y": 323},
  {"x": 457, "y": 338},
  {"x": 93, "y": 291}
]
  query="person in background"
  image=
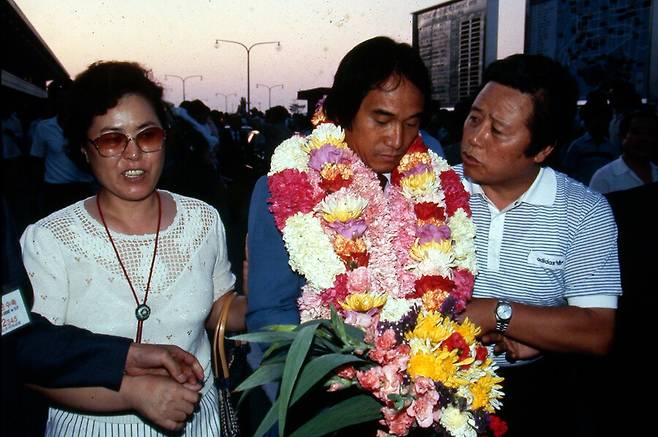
[
  {"x": 63, "y": 181},
  {"x": 593, "y": 149},
  {"x": 548, "y": 273},
  {"x": 635, "y": 166},
  {"x": 152, "y": 262}
]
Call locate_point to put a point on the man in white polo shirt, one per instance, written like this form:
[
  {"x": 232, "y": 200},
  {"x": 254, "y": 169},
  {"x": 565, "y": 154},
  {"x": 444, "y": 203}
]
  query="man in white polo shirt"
[{"x": 546, "y": 245}]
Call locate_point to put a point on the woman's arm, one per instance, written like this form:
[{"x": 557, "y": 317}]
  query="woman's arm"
[
  {"x": 159, "y": 399},
  {"x": 236, "y": 315}
]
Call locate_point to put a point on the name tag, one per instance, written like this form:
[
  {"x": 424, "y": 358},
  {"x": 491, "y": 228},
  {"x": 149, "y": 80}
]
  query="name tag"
[
  {"x": 14, "y": 311},
  {"x": 540, "y": 259}
]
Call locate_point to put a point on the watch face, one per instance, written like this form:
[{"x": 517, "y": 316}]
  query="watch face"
[{"x": 504, "y": 311}]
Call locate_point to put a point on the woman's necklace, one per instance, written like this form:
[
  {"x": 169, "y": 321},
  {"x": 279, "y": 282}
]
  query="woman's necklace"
[{"x": 143, "y": 311}]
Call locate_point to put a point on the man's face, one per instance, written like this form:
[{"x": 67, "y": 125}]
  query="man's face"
[
  {"x": 641, "y": 141},
  {"x": 496, "y": 136},
  {"x": 386, "y": 124}
]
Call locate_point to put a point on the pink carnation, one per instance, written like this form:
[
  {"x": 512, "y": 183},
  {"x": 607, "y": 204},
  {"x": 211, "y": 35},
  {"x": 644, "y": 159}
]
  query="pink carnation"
[
  {"x": 399, "y": 423},
  {"x": 291, "y": 193},
  {"x": 463, "y": 290},
  {"x": 335, "y": 294},
  {"x": 358, "y": 280},
  {"x": 455, "y": 195}
]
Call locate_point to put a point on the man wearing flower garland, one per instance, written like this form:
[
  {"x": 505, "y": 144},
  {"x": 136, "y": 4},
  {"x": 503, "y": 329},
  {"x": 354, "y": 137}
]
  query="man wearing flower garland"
[
  {"x": 546, "y": 245},
  {"x": 379, "y": 93}
]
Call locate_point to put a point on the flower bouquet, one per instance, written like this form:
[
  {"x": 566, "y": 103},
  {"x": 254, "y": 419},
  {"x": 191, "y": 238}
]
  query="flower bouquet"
[{"x": 386, "y": 274}]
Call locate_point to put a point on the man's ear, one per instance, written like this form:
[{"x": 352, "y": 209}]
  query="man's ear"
[{"x": 543, "y": 154}]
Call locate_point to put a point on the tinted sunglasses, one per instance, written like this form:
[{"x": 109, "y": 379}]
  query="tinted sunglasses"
[{"x": 112, "y": 144}]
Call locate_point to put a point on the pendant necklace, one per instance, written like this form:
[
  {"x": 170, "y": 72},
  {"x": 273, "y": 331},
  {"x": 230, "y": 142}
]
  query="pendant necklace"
[{"x": 142, "y": 311}]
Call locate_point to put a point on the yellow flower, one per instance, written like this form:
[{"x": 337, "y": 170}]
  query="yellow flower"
[
  {"x": 418, "y": 183},
  {"x": 420, "y": 251},
  {"x": 326, "y": 134},
  {"x": 363, "y": 302},
  {"x": 332, "y": 171},
  {"x": 468, "y": 330},
  {"x": 433, "y": 299},
  {"x": 440, "y": 366},
  {"x": 342, "y": 207},
  {"x": 432, "y": 326},
  {"x": 481, "y": 391},
  {"x": 410, "y": 160},
  {"x": 345, "y": 246}
]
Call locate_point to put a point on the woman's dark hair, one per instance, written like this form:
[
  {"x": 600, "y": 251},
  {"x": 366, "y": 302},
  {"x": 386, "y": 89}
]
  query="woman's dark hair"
[
  {"x": 98, "y": 89},
  {"x": 553, "y": 90},
  {"x": 366, "y": 67}
]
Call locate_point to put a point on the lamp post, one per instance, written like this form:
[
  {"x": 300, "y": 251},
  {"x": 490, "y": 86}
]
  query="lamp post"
[
  {"x": 248, "y": 50},
  {"x": 269, "y": 92},
  {"x": 183, "y": 79},
  {"x": 226, "y": 96}
]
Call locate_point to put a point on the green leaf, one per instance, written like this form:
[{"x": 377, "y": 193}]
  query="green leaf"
[
  {"x": 262, "y": 375},
  {"x": 358, "y": 409},
  {"x": 339, "y": 325},
  {"x": 280, "y": 328},
  {"x": 296, "y": 356},
  {"x": 316, "y": 369},
  {"x": 265, "y": 337}
]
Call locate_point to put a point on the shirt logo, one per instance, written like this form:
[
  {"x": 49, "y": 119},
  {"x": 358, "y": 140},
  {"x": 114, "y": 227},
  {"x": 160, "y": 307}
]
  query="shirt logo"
[{"x": 540, "y": 259}]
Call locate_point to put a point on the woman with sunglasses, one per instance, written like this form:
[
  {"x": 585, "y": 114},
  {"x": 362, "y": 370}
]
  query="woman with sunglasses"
[{"x": 132, "y": 261}]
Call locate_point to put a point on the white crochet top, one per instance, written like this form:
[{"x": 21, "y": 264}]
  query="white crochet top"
[{"x": 77, "y": 279}]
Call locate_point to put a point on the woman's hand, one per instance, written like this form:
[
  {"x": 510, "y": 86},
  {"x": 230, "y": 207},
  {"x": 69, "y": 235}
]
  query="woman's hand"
[{"x": 160, "y": 399}]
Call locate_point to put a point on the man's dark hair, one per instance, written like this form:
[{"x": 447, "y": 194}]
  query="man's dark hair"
[
  {"x": 98, "y": 89},
  {"x": 553, "y": 90},
  {"x": 366, "y": 67}
]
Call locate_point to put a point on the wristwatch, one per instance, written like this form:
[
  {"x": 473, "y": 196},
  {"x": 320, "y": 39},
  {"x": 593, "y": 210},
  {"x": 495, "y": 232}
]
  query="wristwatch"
[{"x": 503, "y": 314}]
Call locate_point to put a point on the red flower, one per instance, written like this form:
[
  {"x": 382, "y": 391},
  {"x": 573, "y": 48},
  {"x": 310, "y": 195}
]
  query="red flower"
[
  {"x": 337, "y": 293},
  {"x": 481, "y": 353},
  {"x": 291, "y": 193},
  {"x": 427, "y": 283},
  {"x": 497, "y": 425},
  {"x": 429, "y": 210},
  {"x": 355, "y": 260},
  {"x": 333, "y": 185},
  {"x": 456, "y": 341},
  {"x": 455, "y": 195}
]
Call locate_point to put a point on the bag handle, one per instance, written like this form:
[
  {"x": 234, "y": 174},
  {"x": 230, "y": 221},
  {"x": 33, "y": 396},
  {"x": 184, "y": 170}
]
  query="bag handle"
[{"x": 218, "y": 349}]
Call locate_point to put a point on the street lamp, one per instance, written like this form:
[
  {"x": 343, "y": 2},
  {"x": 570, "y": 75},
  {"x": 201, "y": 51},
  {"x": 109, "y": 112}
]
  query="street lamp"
[
  {"x": 226, "y": 96},
  {"x": 269, "y": 91},
  {"x": 248, "y": 50},
  {"x": 183, "y": 79}
]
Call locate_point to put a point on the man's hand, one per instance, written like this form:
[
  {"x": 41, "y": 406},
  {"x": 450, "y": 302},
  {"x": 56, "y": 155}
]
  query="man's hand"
[
  {"x": 165, "y": 360},
  {"x": 481, "y": 312},
  {"x": 513, "y": 349},
  {"x": 160, "y": 399}
]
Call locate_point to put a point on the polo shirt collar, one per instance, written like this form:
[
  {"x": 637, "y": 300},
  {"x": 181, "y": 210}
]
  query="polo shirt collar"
[{"x": 542, "y": 191}]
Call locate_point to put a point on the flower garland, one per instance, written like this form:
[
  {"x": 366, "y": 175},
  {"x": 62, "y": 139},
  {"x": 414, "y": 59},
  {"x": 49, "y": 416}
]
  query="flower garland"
[{"x": 400, "y": 264}]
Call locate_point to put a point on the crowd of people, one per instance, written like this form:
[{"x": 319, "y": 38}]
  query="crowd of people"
[{"x": 147, "y": 215}]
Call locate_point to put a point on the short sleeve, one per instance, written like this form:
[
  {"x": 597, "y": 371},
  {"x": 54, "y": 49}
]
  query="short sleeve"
[
  {"x": 592, "y": 258},
  {"x": 222, "y": 277},
  {"x": 46, "y": 269},
  {"x": 38, "y": 147}
]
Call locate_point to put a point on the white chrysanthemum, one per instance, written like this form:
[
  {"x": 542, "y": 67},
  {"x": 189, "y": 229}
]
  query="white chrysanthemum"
[
  {"x": 289, "y": 154},
  {"x": 311, "y": 251},
  {"x": 436, "y": 262},
  {"x": 438, "y": 163},
  {"x": 342, "y": 206},
  {"x": 458, "y": 423},
  {"x": 461, "y": 226},
  {"x": 421, "y": 346},
  {"x": 326, "y": 133},
  {"x": 396, "y": 308}
]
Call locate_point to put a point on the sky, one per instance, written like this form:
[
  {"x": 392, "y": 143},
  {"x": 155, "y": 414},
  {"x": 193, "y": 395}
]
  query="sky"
[{"x": 177, "y": 37}]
